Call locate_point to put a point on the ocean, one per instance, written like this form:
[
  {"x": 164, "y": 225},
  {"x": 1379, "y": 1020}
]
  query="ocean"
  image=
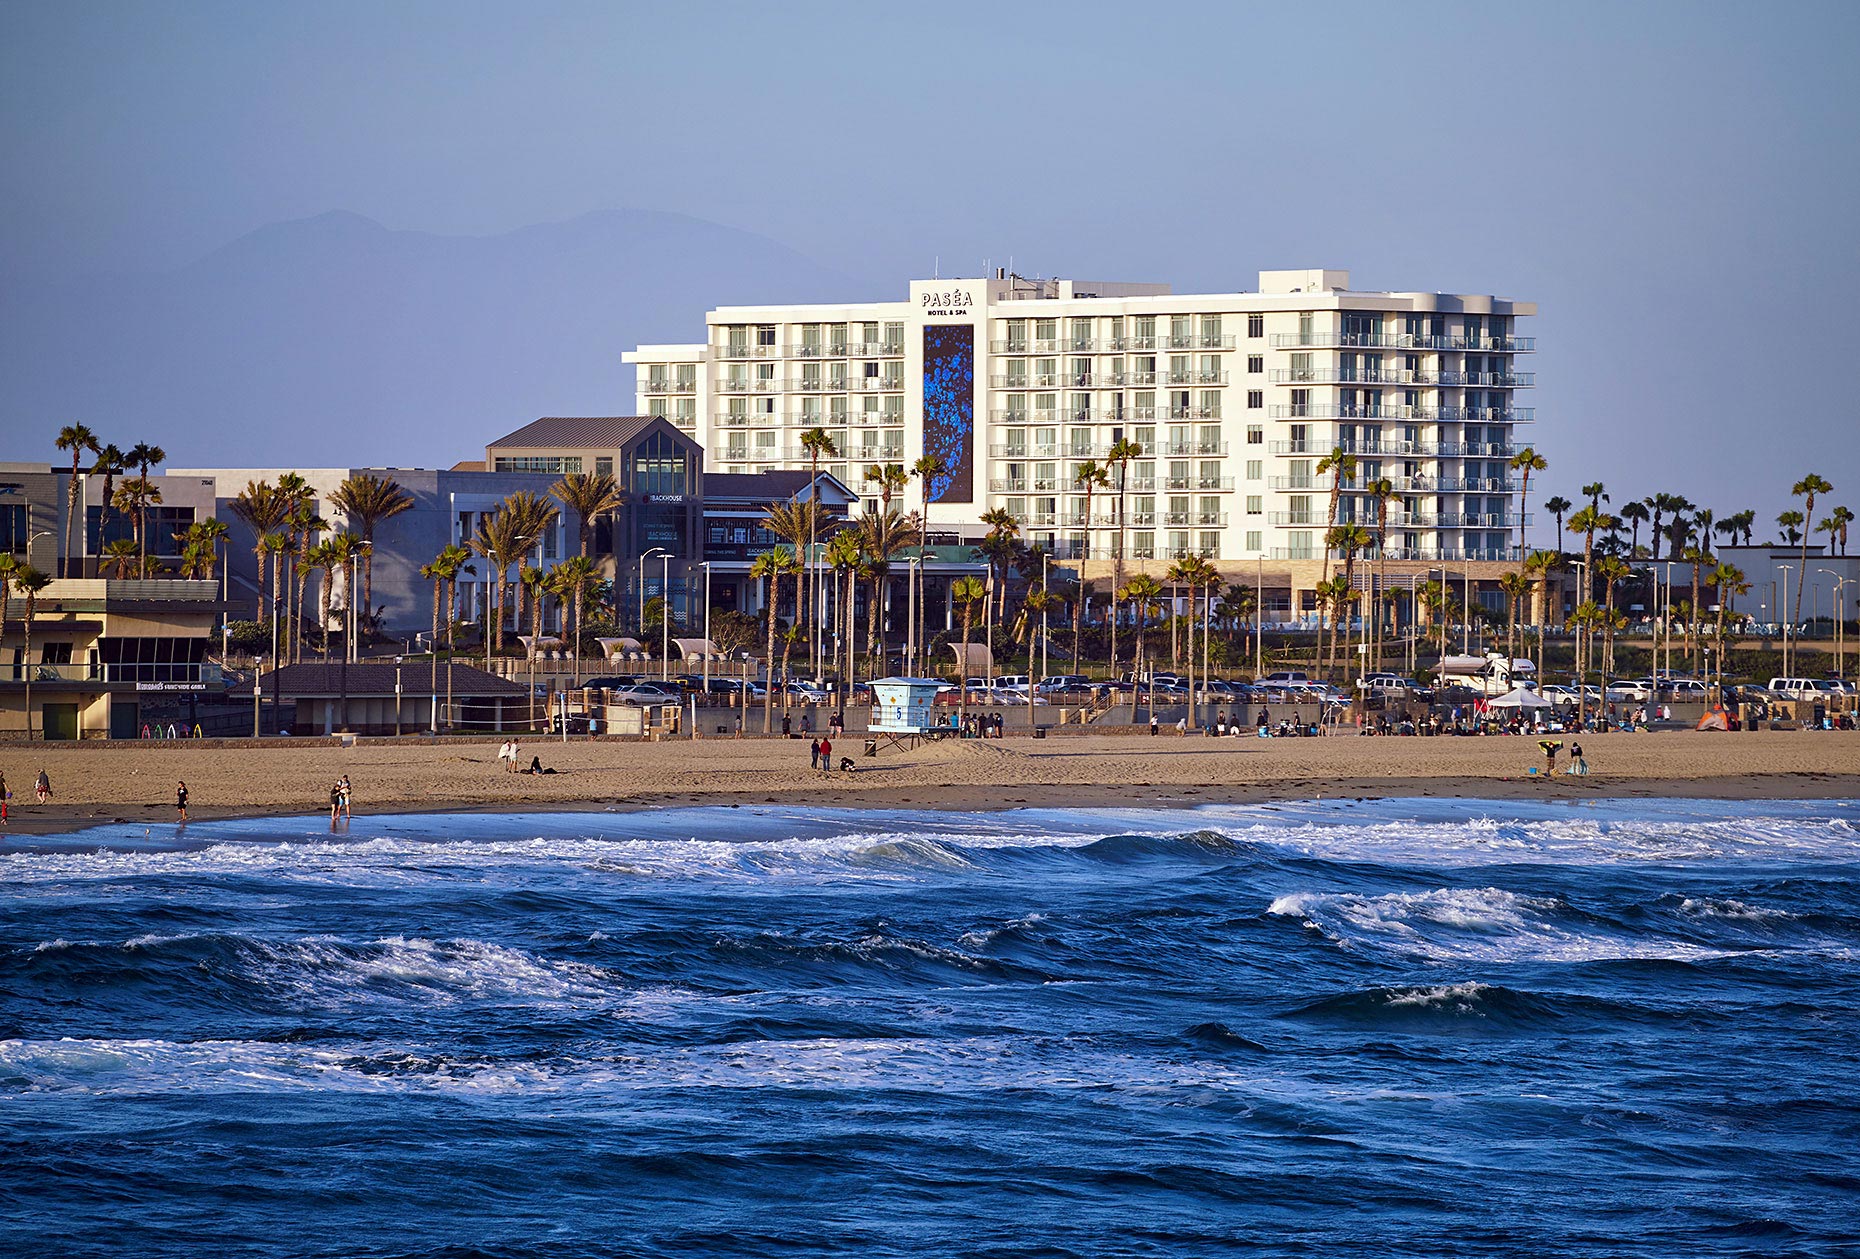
[{"x": 1442, "y": 1027}]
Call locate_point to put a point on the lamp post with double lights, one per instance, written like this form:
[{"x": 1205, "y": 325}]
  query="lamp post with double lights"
[
  {"x": 665, "y": 616},
  {"x": 657, "y": 550}
]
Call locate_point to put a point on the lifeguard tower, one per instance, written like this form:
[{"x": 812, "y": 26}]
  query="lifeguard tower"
[{"x": 904, "y": 711}]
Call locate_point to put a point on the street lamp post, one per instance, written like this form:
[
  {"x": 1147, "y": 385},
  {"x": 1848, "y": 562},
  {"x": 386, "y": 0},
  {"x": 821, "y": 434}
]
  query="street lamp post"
[
  {"x": 355, "y": 611},
  {"x": 257, "y": 673},
  {"x": 665, "y": 616},
  {"x": 1782, "y": 613},
  {"x": 642, "y": 586},
  {"x": 1582, "y": 674},
  {"x": 708, "y": 649},
  {"x": 1840, "y": 623},
  {"x": 1043, "y": 600},
  {"x": 397, "y": 661}
]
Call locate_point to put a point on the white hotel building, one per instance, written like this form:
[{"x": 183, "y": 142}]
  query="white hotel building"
[{"x": 1233, "y": 397}]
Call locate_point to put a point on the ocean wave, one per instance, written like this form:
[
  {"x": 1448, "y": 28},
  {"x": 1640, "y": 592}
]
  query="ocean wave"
[{"x": 1485, "y": 924}]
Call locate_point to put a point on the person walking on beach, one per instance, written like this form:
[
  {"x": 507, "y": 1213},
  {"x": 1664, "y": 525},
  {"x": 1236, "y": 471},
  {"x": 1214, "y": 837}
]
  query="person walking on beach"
[
  {"x": 826, "y": 756},
  {"x": 813, "y": 754},
  {"x": 503, "y": 756},
  {"x": 42, "y": 786},
  {"x": 180, "y": 799}
]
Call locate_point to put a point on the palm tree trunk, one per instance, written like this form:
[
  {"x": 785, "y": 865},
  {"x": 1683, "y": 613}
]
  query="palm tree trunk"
[
  {"x": 770, "y": 594},
  {"x": 452, "y": 633},
  {"x": 439, "y": 588}
]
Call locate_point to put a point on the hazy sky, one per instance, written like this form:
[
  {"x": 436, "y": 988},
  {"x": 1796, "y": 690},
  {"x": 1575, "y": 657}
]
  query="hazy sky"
[{"x": 1675, "y": 184}]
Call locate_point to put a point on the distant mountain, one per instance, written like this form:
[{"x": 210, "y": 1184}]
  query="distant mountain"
[{"x": 333, "y": 340}]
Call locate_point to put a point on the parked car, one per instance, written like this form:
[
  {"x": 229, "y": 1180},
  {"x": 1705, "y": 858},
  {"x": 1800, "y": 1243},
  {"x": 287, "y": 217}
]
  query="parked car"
[
  {"x": 1793, "y": 688},
  {"x": 1063, "y": 682},
  {"x": 806, "y": 692},
  {"x": 1014, "y": 682},
  {"x": 1685, "y": 690},
  {"x": 639, "y": 695},
  {"x": 1834, "y": 686},
  {"x": 1629, "y": 690},
  {"x": 1286, "y": 675}
]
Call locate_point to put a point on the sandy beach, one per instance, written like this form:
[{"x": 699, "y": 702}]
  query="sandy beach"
[{"x": 117, "y": 782}]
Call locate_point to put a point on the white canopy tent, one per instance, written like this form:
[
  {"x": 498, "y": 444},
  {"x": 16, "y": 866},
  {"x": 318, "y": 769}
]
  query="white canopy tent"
[{"x": 1519, "y": 698}]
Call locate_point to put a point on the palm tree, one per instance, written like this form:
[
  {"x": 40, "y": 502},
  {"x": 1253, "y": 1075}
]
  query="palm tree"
[
  {"x": 968, "y": 591},
  {"x": 1538, "y": 566},
  {"x": 815, "y": 443},
  {"x": 1349, "y": 540},
  {"x": 571, "y": 582},
  {"x": 1634, "y": 511},
  {"x": 1663, "y": 505},
  {"x": 1090, "y": 476},
  {"x": 264, "y": 509},
  {"x": 1746, "y": 522},
  {"x": 770, "y": 567},
  {"x": 1342, "y": 467},
  {"x": 927, "y": 469},
  {"x": 77, "y": 439},
  {"x": 848, "y": 563},
  {"x": 1558, "y": 506},
  {"x": 336, "y": 553},
  {"x": 109, "y": 464},
  {"x": 203, "y": 539},
  {"x": 891, "y": 478},
  {"x": 1584, "y": 620},
  {"x": 1516, "y": 588},
  {"x": 144, "y": 456},
  {"x": 590, "y": 495},
  {"x": 120, "y": 560},
  {"x": 1119, "y": 456},
  {"x": 133, "y": 498},
  {"x": 1597, "y": 494},
  {"x": 1728, "y": 580},
  {"x": 1437, "y": 599},
  {"x": 10, "y": 564},
  {"x": 799, "y": 522},
  {"x": 432, "y": 572},
  {"x": 1806, "y": 489},
  {"x": 451, "y": 562},
  {"x": 1791, "y": 523},
  {"x": 29, "y": 581},
  {"x": 1381, "y": 492},
  {"x": 1841, "y": 517},
  {"x": 368, "y": 500},
  {"x": 1144, "y": 591},
  {"x": 999, "y": 547},
  {"x": 1588, "y": 522},
  {"x": 880, "y": 537},
  {"x": 500, "y": 541},
  {"x": 1527, "y": 461},
  {"x": 1612, "y": 570}
]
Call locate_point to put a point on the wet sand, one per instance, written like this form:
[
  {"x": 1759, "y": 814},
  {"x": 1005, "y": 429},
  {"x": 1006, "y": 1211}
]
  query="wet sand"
[{"x": 135, "y": 782}]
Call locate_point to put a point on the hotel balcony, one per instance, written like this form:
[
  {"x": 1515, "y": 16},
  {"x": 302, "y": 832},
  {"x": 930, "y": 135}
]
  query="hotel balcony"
[
  {"x": 1488, "y": 415},
  {"x": 876, "y": 384},
  {"x": 1194, "y": 448},
  {"x": 748, "y": 351},
  {"x": 1299, "y": 484},
  {"x": 1199, "y": 341},
  {"x": 669, "y": 386},
  {"x": 1223, "y": 484},
  {"x": 1372, "y": 450},
  {"x": 1401, "y": 341},
  {"x": 1192, "y": 413},
  {"x": 1197, "y": 377}
]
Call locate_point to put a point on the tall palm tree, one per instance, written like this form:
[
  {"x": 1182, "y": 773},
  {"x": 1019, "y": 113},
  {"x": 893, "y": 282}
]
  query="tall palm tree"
[
  {"x": 203, "y": 539},
  {"x": 264, "y": 509},
  {"x": 571, "y": 582},
  {"x": 452, "y": 562},
  {"x": 273, "y": 546},
  {"x": 1516, "y": 588},
  {"x": 1350, "y": 540},
  {"x": 1538, "y": 566},
  {"x": 1144, "y": 591},
  {"x": 337, "y": 553},
  {"x": 881, "y": 536},
  {"x": 368, "y": 500},
  {"x": 891, "y": 479},
  {"x": 1090, "y": 477},
  {"x": 1729, "y": 581},
  {"x": 771, "y": 566},
  {"x": 1381, "y": 492},
  {"x": 998, "y": 548},
  {"x": 434, "y": 573},
  {"x": 1588, "y": 522},
  {"x": 968, "y": 591},
  {"x": 1558, "y": 506},
  {"x": 304, "y": 526},
  {"x": 500, "y": 541},
  {"x": 590, "y": 495},
  {"x": 29, "y": 581},
  {"x": 1597, "y": 494},
  {"x": 1840, "y": 518},
  {"x": 145, "y": 456},
  {"x": 1341, "y": 465},
  {"x": 847, "y": 561},
  {"x": 927, "y": 469},
  {"x": 816, "y": 443},
  {"x": 1612, "y": 570},
  {"x": 133, "y": 498},
  {"x": 10, "y": 565},
  {"x": 1791, "y": 523},
  {"x": 109, "y": 464},
  {"x": 1663, "y": 505},
  {"x": 1525, "y": 462},
  {"x": 1746, "y": 522},
  {"x": 76, "y": 438},
  {"x": 1122, "y": 451},
  {"x": 1437, "y": 600},
  {"x": 1806, "y": 489},
  {"x": 1634, "y": 511}
]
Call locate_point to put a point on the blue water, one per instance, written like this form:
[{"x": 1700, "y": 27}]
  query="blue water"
[{"x": 1412, "y": 1027}]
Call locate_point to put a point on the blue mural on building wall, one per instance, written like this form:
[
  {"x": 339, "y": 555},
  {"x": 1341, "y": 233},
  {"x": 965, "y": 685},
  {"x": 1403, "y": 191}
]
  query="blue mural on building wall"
[{"x": 949, "y": 409}]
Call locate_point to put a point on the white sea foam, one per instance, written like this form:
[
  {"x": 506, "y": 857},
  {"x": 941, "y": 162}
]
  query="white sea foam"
[
  {"x": 1729, "y": 908},
  {"x": 1484, "y": 924},
  {"x": 978, "y": 1064}
]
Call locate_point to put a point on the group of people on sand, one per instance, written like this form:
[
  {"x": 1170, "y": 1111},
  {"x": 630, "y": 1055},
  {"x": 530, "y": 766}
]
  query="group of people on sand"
[
  {"x": 41, "y": 787},
  {"x": 339, "y": 798},
  {"x": 820, "y": 757},
  {"x": 510, "y": 753}
]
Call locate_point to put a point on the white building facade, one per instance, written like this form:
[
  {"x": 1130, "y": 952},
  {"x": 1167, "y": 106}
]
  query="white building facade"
[{"x": 1233, "y": 398}]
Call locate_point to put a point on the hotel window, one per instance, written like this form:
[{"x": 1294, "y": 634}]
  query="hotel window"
[
  {"x": 1256, "y": 325},
  {"x": 1017, "y": 336},
  {"x": 1253, "y": 540},
  {"x": 1255, "y": 434},
  {"x": 810, "y": 377},
  {"x": 1255, "y": 504},
  {"x": 1298, "y": 546},
  {"x": 1144, "y": 544},
  {"x": 836, "y": 340},
  {"x": 810, "y": 411},
  {"x": 1178, "y": 542},
  {"x": 658, "y": 408},
  {"x": 810, "y": 340},
  {"x": 765, "y": 406},
  {"x": 1211, "y": 545},
  {"x": 1143, "y": 330},
  {"x": 1045, "y": 334},
  {"x": 1080, "y": 374},
  {"x": 1181, "y": 332},
  {"x": 893, "y": 409},
  {"x": 603, "y": 465},
  {"x": 836, "y": 410},
  {"x": 868, "y": 410},
  {"x": 765, "y": 335},
  {"x": 894, "y": 338},
  {"x": 1078, "y": 407},
  {"x": 1255, "y": 399},
  {"x": 1210, "y": 403},
  {"x": 765, "y": 375},
  {"x": 1256, "y": 363},
  {"x": 1145, "y": 436},
  {"x": 1255, "y": 469},
  {"x": 1046, "y": 439},
  {"x": 1081, "y": 334}
]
